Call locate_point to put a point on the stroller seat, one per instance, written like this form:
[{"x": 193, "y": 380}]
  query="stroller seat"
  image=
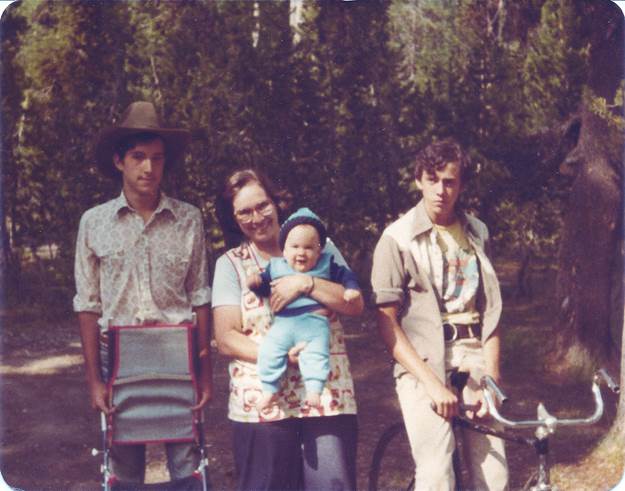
[
  {"x": 152, "y": 386},
  {"x": 152, "y": 383}
]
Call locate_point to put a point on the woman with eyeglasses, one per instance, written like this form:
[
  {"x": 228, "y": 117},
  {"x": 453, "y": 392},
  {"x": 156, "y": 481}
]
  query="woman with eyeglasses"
[{"x": 292, "y": 445}]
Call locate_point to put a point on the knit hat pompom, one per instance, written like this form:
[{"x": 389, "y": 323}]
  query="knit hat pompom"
[{"x": 303, "y": 216}]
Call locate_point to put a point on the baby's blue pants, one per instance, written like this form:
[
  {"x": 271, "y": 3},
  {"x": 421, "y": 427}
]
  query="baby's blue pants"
[{"x": 314, "y": 359}]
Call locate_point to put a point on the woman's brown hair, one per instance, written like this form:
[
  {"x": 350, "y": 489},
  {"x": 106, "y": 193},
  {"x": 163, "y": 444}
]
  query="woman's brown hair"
[{"x": 231, "y": 186}]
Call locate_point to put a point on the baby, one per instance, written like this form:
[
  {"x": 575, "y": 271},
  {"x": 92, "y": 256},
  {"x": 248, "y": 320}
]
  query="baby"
[{"x": 304, "y": 321}]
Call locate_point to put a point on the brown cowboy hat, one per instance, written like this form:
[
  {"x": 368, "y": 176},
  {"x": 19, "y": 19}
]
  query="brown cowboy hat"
[{"x": 139, "y": 117}]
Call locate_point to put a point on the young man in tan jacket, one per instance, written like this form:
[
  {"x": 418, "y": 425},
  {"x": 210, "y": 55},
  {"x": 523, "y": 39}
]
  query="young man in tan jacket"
[{"x": 439, "y": 304}]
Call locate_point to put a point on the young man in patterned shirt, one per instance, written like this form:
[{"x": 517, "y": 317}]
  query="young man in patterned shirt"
[
  {"x": 141, "y": 258},
  {"x": 439, "y": 304}
]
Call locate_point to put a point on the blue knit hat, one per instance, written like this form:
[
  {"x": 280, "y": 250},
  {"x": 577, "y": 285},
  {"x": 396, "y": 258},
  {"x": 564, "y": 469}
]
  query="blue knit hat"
[{"x": 303, "y": 216}]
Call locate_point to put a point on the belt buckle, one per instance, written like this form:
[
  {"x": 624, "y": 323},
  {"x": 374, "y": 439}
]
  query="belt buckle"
[{"x": 454, "y": 336}]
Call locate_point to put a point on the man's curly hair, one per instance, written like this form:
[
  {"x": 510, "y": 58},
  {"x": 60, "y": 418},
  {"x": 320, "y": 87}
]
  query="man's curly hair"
[{"x": 440, "y": 153}]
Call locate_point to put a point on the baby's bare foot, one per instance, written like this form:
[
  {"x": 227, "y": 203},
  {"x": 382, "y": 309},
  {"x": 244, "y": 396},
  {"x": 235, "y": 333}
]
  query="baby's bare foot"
[{"x": 313, "y": 399}]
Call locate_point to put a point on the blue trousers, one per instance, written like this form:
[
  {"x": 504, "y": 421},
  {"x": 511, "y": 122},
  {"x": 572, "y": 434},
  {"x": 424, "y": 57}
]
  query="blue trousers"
[
  {"x": 314, "y": 359},
  {"x": 311, "y": 454}
]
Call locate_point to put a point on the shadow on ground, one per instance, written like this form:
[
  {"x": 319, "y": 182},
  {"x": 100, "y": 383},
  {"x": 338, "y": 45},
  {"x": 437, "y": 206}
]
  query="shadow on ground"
[{"x": 48, "y": 429}]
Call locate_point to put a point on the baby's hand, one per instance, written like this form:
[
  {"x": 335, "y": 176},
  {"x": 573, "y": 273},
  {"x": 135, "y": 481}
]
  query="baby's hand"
[
  {"x": 350, "y": 295},
  {"x": 253, "y": 281}
]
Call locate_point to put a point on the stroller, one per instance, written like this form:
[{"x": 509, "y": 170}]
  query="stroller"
[{"x": 152, "y": 385}]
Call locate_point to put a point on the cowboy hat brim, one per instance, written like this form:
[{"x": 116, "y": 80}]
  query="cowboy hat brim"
[{"x": 175, "y": 140}]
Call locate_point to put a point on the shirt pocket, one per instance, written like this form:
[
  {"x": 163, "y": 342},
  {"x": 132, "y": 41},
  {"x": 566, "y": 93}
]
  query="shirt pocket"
[{"x": 112, "y": 263}]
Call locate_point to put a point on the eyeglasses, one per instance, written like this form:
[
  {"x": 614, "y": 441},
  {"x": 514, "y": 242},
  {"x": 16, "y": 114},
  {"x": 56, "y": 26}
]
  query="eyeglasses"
[{"x": 246, "y": 215}]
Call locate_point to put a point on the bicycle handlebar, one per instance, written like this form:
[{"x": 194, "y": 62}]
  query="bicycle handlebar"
[
  {"x": 609, "y": 381},
  {"x": 489, "y": 383},
  {"x": 545, "y": 419}
]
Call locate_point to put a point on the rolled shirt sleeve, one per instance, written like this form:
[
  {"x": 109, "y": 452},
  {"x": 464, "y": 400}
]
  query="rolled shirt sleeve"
[
  {"x": 86, "y": 273},
  {"x": 388, "y": 274}
]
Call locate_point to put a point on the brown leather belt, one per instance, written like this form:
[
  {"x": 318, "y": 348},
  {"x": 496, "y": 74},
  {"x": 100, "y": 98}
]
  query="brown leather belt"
[{"x": 453, "y": 332}]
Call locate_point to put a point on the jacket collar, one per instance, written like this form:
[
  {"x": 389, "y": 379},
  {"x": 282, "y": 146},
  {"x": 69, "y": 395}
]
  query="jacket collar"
[{"x": 421, "y": 222}]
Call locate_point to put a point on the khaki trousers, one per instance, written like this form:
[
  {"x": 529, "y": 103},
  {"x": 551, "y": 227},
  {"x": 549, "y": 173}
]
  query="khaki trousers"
[{"x": 432, "y": 438}]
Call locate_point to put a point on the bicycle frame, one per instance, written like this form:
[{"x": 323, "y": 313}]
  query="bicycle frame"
[{"x": 545, "y": 425}]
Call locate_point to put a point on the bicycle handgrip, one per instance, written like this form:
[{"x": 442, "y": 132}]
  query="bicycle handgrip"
[
  {"x": 489, "y": 383},
  {"x": 602, "y": 373}
]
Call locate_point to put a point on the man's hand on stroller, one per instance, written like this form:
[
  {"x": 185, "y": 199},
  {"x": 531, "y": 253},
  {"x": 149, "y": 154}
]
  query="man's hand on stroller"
[
  {"x": 99, "y": 397},
  {"x": 206, "y": 393}
]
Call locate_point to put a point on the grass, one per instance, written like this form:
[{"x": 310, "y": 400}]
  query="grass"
[{"x": 584, "y": 460}]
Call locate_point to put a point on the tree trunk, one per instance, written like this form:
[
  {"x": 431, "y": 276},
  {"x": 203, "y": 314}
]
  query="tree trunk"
[
  {"x": 587, "y": 286},
  {"x": 618, "y": 427}
]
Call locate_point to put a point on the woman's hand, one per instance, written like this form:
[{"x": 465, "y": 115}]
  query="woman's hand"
[
  {"x": 351, "y": 296},
  {"x": 253, "y": 281},
  {"x": 286, "y": 289}
]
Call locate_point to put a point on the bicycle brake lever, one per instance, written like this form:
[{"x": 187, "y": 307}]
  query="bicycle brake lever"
[{"x": 602, "y": 374}]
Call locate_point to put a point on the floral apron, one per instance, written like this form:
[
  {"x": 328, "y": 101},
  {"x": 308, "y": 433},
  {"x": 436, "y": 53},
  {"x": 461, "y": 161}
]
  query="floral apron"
[{"x": 338, "y": 393}]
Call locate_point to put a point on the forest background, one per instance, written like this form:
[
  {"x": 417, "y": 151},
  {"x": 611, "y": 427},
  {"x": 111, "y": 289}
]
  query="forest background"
[{"x": 333, "y": 99}]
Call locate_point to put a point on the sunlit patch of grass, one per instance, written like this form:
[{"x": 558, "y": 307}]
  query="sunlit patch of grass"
[
  {"x": 601, "y": 469},
  {"x": 528, "y": 325}
]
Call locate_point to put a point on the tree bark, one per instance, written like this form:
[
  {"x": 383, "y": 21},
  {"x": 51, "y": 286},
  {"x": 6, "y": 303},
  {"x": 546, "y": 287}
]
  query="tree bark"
[
  {"x": 587, "y": 286},
  {"x": 618, "y": 427}
]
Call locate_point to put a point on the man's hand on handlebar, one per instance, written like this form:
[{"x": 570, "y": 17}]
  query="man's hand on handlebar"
[{"x": 444, "y": 401}]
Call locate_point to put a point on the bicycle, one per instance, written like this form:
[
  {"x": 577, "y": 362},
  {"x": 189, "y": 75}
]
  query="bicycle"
[{"x": 394, "y": 440}]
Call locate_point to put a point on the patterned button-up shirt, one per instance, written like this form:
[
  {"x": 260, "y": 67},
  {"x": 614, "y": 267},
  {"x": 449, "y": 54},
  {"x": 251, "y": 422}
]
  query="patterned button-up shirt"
[{"x": 130, "y": 271}]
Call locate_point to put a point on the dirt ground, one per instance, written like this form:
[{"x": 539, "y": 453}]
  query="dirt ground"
[{"x": 48, "y": 429}]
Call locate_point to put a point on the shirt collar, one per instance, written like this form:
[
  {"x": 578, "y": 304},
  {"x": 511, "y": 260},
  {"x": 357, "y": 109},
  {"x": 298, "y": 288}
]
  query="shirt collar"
[
  {"x": 421, "y": 222},
  {"x": 121, "y": 204}
]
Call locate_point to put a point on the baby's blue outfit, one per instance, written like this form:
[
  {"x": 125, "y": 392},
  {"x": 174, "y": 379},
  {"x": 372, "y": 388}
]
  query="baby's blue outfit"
[{"x": 297, "y": 323}]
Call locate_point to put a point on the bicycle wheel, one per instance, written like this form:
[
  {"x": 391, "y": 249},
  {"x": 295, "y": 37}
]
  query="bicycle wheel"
[{"x": 392, "y": 467}]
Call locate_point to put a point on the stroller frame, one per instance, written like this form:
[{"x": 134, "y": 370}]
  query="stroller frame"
[{"x": 199, "y": 479}]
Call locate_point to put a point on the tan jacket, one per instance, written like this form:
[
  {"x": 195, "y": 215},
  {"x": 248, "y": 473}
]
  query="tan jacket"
[{"x": 401, "y": 274}]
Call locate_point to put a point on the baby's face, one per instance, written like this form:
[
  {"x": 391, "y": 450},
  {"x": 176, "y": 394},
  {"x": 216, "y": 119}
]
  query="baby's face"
[{"x": 301, "y": 248}]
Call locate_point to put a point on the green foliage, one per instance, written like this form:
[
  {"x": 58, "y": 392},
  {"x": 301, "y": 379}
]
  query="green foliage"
[
  {"x": 555, "y": 65},
  {"x": 333, "y": 107},
  {"x": 469, "y": 77},
  {"x": 531, "y": 228},
  {"x": 611, "y": 113},
  {"x": 612, "y": 117}
]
